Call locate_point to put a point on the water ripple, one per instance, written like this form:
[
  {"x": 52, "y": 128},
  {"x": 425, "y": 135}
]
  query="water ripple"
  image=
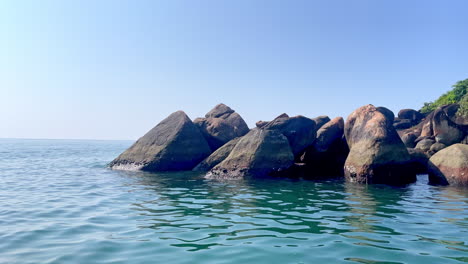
[{"x": 59, "y": 204}]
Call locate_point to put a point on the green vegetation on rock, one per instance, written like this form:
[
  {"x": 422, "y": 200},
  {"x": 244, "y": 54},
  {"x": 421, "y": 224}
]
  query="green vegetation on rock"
[
  {"x": 456, "y": 95},
  {"x": 463, "y": 110}
]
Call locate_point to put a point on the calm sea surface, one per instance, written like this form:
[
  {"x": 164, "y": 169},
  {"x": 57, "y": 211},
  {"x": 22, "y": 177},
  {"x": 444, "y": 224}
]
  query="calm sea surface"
[{"x": 60, "y": 204}]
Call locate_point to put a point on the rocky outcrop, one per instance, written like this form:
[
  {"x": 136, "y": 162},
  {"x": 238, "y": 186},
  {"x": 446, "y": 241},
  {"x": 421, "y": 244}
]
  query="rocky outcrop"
[
  {"x": 221, "y": 125},
  {"x": 326, "y": 157},
  {"x": 299, "y": 130},
  {"x": 439, "y": 129},
  {"x": 174, "y": 144},
  {"x": 377, "y": 154},
  {"x": 217, "y": 157},
  {"x": 450, "y": 166},
  {"x": 259, "y": 153}
]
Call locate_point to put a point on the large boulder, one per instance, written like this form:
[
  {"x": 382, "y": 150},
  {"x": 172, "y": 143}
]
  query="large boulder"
[
  {"x": 299, "y": 130},
  {"x": 221, "y": 125},
  {"x": 326, "y": 157},
  {"x": 175, "y": 144},
  {"x": 377, "y": 154},
  {"x": 217, "y": 157},
  {"x": 409, "y": 139},
  {"x": 445, "y": 130},
  {"x": 259, "y": 153},
  {"x": 450, "y": 166}
]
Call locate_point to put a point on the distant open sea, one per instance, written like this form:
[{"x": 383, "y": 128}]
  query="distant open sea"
[{"x": 60, "y": 204}]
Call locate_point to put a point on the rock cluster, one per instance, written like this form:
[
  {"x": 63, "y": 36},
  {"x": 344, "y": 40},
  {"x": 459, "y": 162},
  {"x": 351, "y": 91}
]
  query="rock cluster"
[
  {"x": 371, "y": 146},
  {"x": 437, "y": 131}
]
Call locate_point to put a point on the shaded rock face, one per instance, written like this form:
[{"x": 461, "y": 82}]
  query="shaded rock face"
[
  {"x": 411, "y": 115},
  {"x": 217, "y": 157},
  {"x": 259, "y": 153},
  {"x": 261, "y": 124},
  {"x": 299, "y": 130},
  {"x": 436, "y": 147},
  {"x": 221, "y": 125},
  {"x": 444, "y": 129},
  {"x": 387, "y": 113},
  {"x": 407, "y": 118},
  {"x": 450, "y": 166},
  {"x": 320, "y": 121},
  {"x": 326, "y": 157},
  {"x": 175, "y": 144},
  {"x": 419, "y": 160},
  {"x": 377, "y": 154},
  {"x": 409, "y": 139},
  {"x": 403, "y": 124},
  {"x": 425, "y": 144}
]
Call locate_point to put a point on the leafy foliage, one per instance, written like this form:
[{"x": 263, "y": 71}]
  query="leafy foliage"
[
  {"x": 455, "y": 95},
  {"x": 463, "y": 110}
]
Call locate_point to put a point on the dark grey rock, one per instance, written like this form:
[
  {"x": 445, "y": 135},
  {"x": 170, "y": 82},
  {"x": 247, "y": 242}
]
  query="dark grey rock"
[
  {"x": 410, "y": 114},
  {"x": 409, "y": 139},
  {"x": 259, "y": 153},
  {"x": 299, "y": 130},
  {"x": 320, "y": 121},
  {"x": 436, "y": 147},
  {"x": 327, "y": 156},
  {"x": 425, "y": 144},
  {"x": 175, "y": 144}
]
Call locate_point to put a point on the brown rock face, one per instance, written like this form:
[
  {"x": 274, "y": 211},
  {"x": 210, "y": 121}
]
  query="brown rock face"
[
  {"x": 299, "y": 130},
  {"x": 221, "y": 125},
  {"x": 450, "y": 166},
  {"x": 259, "y": 153},
  {"x": 377, "y": 154},
  {"x": 174, "y": 144}
]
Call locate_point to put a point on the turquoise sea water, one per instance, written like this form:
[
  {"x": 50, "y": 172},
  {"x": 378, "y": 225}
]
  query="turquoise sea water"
[{"x": 60, "y": 204}]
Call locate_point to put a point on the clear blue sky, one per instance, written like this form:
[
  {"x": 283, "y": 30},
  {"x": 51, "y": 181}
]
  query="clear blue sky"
[{"x": 114, "y": 69}]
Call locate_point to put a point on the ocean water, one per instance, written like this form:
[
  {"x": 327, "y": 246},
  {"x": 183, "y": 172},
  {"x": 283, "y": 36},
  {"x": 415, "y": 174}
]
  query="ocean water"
[{"x": 60, "y": 204}]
